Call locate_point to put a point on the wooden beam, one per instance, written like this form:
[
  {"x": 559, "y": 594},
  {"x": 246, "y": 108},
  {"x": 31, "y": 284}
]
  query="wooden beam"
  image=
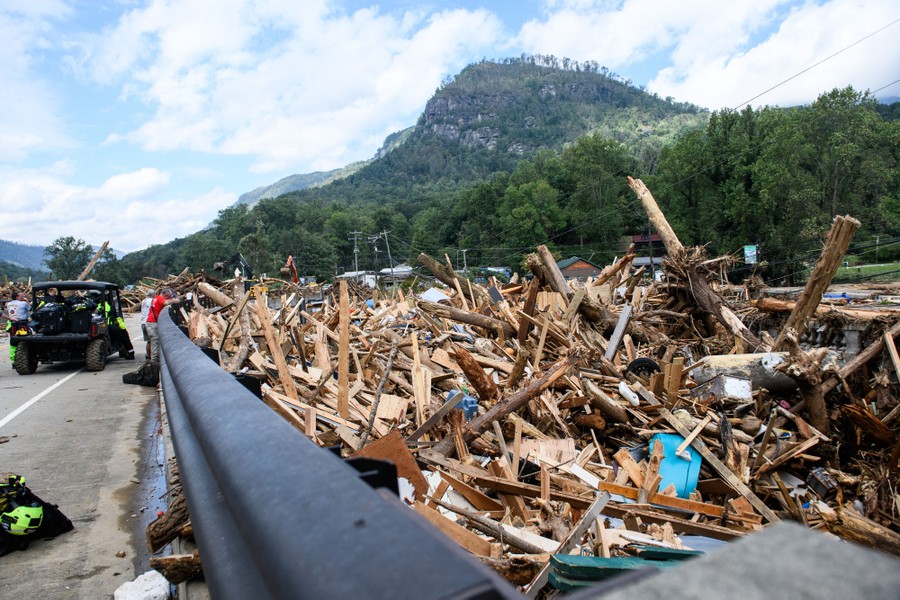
[
  {"x": 839, "y": 237},
  {"x": 459, "y": 534},
  {"x": 344, "y": 351},
  {"x": 284, "y": 374},
  {"x": 93, "y": 261},
  {"x": 724, "y": 472},
  {"x": 619, "y": 332},
  {"x": 572, "y": 540},
  {"x": 859, "y": 360}
]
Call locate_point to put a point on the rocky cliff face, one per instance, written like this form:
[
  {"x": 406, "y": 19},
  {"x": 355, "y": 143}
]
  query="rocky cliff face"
[{"x": 518, "y": 108}]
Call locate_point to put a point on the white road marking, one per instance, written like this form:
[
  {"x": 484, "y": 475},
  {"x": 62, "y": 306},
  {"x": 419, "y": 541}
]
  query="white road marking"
[{"x": 28, "y": 404}]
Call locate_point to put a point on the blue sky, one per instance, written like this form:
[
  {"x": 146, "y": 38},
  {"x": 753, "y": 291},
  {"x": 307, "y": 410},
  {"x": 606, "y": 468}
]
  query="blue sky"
[{"x": 137, "y": 121}]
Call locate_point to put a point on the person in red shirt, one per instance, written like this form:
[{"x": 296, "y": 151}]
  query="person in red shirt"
[{"x": 163, "y": 299}]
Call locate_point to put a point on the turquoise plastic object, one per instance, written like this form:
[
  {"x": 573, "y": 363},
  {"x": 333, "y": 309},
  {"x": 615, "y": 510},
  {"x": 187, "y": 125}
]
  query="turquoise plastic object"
[
  {"x": 467, "y": 403},
  {"x": 673, "y": 469}
]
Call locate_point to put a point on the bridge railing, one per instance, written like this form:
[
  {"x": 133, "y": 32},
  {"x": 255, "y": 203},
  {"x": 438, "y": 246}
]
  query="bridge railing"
[{"x": 275, "y": 516}]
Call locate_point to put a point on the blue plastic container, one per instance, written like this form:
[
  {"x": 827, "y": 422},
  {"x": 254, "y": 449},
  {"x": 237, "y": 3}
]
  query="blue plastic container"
[{"x": 467, "y": 403}]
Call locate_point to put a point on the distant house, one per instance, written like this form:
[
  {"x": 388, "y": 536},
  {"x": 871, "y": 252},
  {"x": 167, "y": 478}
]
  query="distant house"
[
  {"x": 644, "y": 241},
  {"x": 364, "y": 277},
  {"x": 397, "y": 274},
  {"x": 644, "y": 261},
  {"x": 578, "y": 268}
]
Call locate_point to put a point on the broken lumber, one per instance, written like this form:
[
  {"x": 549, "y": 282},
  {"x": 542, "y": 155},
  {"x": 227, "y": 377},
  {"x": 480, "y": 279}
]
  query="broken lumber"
[{"x": 838, "y": 240}]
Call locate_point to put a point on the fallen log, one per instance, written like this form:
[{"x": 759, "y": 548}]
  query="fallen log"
[
  {"x": 178, "y": 568},
  {"x": 836, "y": 244},
  {"x": 510, "y": 404},
  {"x": 698, "y": 286},
  {"x": 484, "y": 386},
  {"x": 166, "y": 527},
  {"x": 449, "y": 277},
  {"x": 849, "y": 524},
  {"x": 497, "y": 326}
]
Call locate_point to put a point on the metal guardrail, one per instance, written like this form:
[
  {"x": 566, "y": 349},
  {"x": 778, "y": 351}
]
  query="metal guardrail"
[{"x": 275, "y": 516}]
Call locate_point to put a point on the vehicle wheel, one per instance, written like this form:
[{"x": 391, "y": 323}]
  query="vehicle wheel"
[
  {"x": 26, "y": 360},
  {"x": 643, "y": 367},
  {"x": 95, "y": 355}
]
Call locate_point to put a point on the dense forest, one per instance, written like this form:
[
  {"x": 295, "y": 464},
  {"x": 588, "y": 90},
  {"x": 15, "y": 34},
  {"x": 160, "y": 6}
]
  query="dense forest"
[{"x": 508, "y": 156}]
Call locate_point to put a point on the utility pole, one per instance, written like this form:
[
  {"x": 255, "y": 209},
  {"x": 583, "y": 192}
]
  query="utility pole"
[
  {"x": 390, "y": 260},
  {"x": 465, "y": 264},
  {"x": 374, "y": 239},
  {"x": 355, "y": 235}
]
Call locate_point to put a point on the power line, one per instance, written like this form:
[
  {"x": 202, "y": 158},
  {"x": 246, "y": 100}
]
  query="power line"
[{"x": 827, "y": 58}]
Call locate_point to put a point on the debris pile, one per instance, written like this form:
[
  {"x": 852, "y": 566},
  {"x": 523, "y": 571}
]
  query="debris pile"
[{"x": 610, "y": 418}]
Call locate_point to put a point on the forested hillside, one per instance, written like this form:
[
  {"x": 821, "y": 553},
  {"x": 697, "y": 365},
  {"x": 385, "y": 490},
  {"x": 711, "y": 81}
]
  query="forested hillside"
[
  {"x": 22, "y": 255},
  {"x": 507, "y": 156},
  {"x": 474, "y": 131}
]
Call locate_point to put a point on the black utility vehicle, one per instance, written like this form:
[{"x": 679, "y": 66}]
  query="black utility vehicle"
[{"x": 71, "y": 320}]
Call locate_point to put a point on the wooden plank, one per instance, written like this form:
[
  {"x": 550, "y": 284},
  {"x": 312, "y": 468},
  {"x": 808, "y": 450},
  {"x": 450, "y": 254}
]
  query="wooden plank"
[
  {"x": 459, "y": 534},
  {"x": 511, "y": 500},
  {"x": 284, "y": 375},
  {"x": 627, "y": 462},
  {"x": 344, "y": 351},
  {"x": 616, "y": 338},
  {"x": 286, "y": 411},
  {"x": 435, "y": 418},
  {"x": 680, "y": 525},
  {"x": 475, "y": 497},
  {"x": 572, "y": 309},
  {"x": 528, "y": 309},
  {"x": 892, "y": 352},
  {"x": 517, "y": 443},
  {"x": 572, "y": 540},
  {"x": 393, "y": 448},
  {"x": 539, "y": 351},
  {"x": 724, "y": 472}
]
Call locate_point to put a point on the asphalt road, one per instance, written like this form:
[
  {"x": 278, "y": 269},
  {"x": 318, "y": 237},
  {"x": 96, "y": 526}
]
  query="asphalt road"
[{"x": 92, "y": 445}]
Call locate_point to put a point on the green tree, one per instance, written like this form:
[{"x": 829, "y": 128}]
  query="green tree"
[
  {"x": 596, "y": 168},
  {"x": 255, "y": 248},
  {"x": 67, "y": 257}
]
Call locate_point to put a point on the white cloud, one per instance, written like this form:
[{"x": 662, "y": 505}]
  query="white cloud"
[
  {"x": 711, "y": 49},
  {"x": 115, "y": 116},
  {"x": 28, "y": 107},
  {"x": 131, "y": 210},
  {"x": 286, "y": 84}
]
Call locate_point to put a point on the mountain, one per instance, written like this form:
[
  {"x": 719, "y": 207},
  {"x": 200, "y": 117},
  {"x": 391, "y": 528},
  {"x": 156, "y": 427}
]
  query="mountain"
[
  {"x": 476, "y": 129},
  {"x": 22, "y": 255},
  {"x": 294, "y": 183},
  {"x": 491, "y": 115}
]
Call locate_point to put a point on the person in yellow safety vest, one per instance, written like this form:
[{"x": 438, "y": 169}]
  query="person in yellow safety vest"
[
  {"x": 118, "y": 332},
  {"x": 17, "y": 312}
]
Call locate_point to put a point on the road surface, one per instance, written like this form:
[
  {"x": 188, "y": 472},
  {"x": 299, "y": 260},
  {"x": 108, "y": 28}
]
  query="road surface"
[{"x": 92, "y": 445}]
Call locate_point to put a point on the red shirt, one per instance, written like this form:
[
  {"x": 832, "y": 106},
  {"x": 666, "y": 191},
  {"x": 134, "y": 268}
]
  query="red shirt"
[{"x": 159, "y": 302}]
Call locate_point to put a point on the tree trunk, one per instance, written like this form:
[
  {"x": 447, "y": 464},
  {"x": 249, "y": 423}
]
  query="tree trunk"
[
  {"x": 836, "y": 244},
  {"x": 510, "y": 404},
  {"x": 699, "y": 287},
  {"x": 447, "y": 276}
]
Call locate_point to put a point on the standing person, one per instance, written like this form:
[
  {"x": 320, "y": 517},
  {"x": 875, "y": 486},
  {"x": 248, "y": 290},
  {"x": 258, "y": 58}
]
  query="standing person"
[
  {"x": 166, "y": 297},
  {"x": 17, "y": 311},
  {"x": 145, "y": 312}
]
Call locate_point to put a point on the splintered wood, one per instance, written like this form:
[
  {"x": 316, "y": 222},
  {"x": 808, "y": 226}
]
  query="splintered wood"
[{"x": 511, "y": 408}]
